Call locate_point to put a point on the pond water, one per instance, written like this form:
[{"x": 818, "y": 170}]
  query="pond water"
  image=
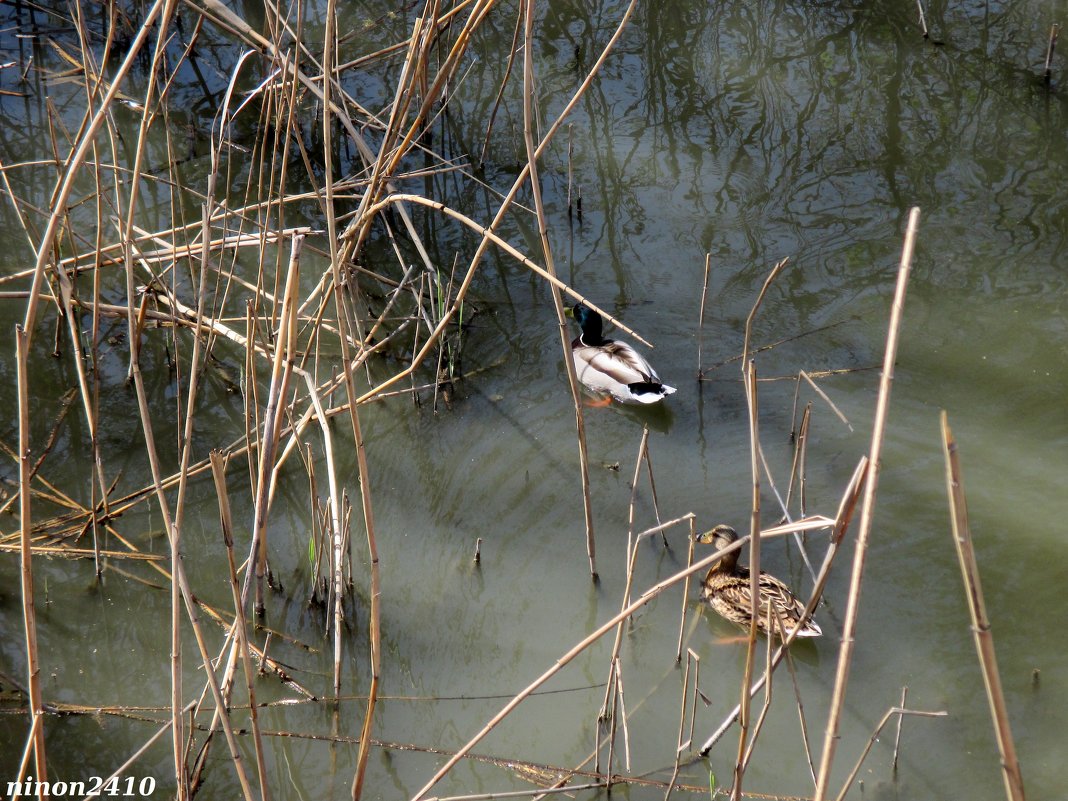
[{"x": 748, "y": 131}]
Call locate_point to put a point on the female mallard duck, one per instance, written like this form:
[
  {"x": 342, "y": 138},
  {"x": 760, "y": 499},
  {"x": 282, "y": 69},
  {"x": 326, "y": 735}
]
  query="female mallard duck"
[
  {"x": 609, "y": 367},
  {"x": 726, "y": 588}
]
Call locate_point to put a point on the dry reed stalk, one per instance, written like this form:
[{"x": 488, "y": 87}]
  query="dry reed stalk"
[
  {"x": 614, "y": 680},
  {"x": 357, "y": 435},
  {"x": 139, "y": 152},
  {"x": 285, "y": 345},
  {"x": 801, "y": 717},
  {"x": 335, "y": 528},
  {"x": 784, "y": 505},
  {"x": 180, "y": 580},
  {"x": 88, "y": 395},
  {"x": 29, "y": 616},
  {"x": 680, "y": 746},
  {"x": 826, "y": 399},
  {"x": 894, "y": 710},
  {"x": 686, "y": 589},
  {"x": 632, "y": 554},
  {"x": 754, "y": 553},
  {"x": 185, "y": 447},
  {"x": 984, "y": 638},
  {"x": 500, "y": 95},
  {"x": 218, "y": 472},
  {"x": 1047, "y": 71},
  {"x": 803, "y": 460},
  {"x": 778, "y": 268},
  {"x": 796, "y": 467},
  {"x": 897, "y": 735},
  {"x": 701, "y": 314},
  {"x": 342, "y": 322},
  {"x": 774, "y": 622},
  {"x": 28, "y": 749},
  {"x": 923, "y": 18},
  {"x": 550, "y": 268},
  {"x": 840, "y": 526},
  {"x": 564, "y": 660},
  {"x": 867, "y": 511},
  {"x": 250, "y": 396}
]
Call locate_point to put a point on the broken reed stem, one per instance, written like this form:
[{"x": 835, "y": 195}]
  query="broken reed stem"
[
  {"x": 897, "y": 735},
  {"x": 984, "y": 638},
  {"x": 686, "y": 588},
  {"x": 285, "y": 344},
  {"x": 894, "y": 710},
  {"x": 335, "y": 526},
  {"x": 882, "y": 406},
  {"x": 621, "y": 715},
  {"x": 754, "y": 559},
  {"x": 826, "y": 399},
  {"x": 796, "y": 478},
  {"x": 342, "y": 322},
  {"x": 701, "y": 314},
  {"x": 550, "y": 268},
  {"x": 29, "y": 617},
  {"x": 1047, "y": 72},
  {"x": 923, "y": 18},
  {"x": 752, "y": 312}
]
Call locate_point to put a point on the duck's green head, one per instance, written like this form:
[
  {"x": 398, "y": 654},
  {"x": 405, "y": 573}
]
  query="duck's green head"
[{"x": 590, "y": 323}]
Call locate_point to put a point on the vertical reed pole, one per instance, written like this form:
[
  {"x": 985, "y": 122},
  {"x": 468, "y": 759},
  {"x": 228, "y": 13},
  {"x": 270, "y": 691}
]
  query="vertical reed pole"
[
  {"x": 218, "y": 473},
  {"x": 867, "y": 510},
  {"x": 923, "y": 19},
  {"x": 550, "y": 267},
  {"x": 281, "y": 369},
  {"x": 29, "y": 618},
  {"x": 701, "y": 314},
  {"x": 754, "y": 577},
  {"x": 1047, "y": 73},
  {"x": 984, "y": 639}
]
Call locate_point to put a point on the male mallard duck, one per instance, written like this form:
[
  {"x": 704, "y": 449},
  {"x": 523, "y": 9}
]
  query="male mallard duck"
[
  {"x": 726, "y": 589},
  {"x": 610, "y": 367}
]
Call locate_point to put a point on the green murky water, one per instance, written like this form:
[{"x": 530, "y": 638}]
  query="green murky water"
[{"x": 750, "y": 131}]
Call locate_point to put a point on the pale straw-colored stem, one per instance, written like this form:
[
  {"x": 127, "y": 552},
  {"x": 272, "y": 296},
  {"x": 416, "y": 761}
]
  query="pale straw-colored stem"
[
  {"x": 882, "y": 407},
  {"x": 984, "y": 638}
]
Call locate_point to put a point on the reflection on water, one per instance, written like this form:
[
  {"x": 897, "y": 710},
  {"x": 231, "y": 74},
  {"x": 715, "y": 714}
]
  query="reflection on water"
[{"x": 750, "y": 131}]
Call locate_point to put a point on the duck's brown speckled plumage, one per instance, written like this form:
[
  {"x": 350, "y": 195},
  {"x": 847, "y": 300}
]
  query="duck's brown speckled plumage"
[{"x": 726, "y": 588}]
